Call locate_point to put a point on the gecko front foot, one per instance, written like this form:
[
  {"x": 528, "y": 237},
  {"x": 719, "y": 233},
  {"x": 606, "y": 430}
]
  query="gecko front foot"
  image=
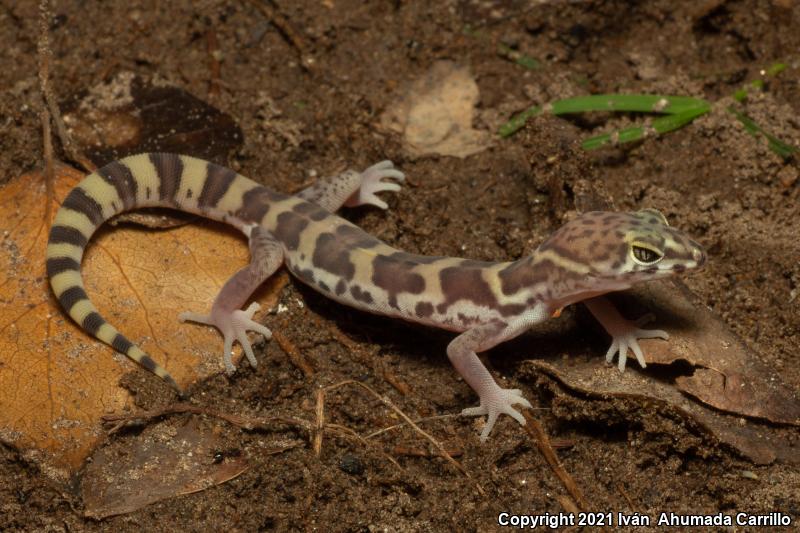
[
  {"x": 372, "y": 182},
  {"x": 233, "y": 325},
  {"x": 626, "y": 335},
  {"x": 498, "y": 401}
]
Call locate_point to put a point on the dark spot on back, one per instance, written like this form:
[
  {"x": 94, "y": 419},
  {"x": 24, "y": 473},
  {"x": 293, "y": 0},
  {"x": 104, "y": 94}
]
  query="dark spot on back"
[
  {"x": 305, "y": 275},
  {"x": 255, "y": 204},
  {"x": 351, "y": 236},
  {"x": 332, "y": 256},
  {"x": 464, "y": 283},
  {"x": 361, "y": 295},
  {"x": 396, "y": 277},
  {"x": 523, "y": 273},
  {"x": 312, "y": 211},
  {"x": 290, "y": 226},
  {"x": 341, "y": 286},
  {"x": 423, "y": 309},
  {"x": 417, "y": 259}
]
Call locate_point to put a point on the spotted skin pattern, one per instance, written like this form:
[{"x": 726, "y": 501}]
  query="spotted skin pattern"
[{"x": 487, "y": 303}]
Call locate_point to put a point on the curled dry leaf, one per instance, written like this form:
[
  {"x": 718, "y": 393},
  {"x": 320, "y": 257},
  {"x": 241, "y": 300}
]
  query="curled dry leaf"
[
  {"x": 723, "y": 383},
  {"x": 55, "y": 380},
  {"x": 162, "y": 462},
  {"x": 128, "y": 115}
]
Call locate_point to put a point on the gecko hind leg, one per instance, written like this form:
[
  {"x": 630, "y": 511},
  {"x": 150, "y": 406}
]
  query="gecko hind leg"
[
  {"x": 352, "y": 188},
  {"x": 494, "y": 400},
  {"x": 226, "y": 314}
]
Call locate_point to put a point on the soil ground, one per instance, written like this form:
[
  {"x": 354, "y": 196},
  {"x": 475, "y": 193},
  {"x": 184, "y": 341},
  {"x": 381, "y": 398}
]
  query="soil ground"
[{"x": 711, "y": 179}]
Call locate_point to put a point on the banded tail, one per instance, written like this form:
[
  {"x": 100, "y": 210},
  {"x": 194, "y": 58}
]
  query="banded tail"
[{"x": 144, "y": 180}]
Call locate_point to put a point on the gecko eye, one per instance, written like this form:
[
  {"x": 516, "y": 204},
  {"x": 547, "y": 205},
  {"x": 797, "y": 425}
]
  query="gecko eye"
[{"x": 645, "y": 256}]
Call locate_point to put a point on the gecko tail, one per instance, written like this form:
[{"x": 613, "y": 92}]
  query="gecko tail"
[{"x": 85, "y": 209}]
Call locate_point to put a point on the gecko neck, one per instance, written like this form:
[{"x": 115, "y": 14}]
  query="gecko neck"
[{"x": 552, "y": 280}]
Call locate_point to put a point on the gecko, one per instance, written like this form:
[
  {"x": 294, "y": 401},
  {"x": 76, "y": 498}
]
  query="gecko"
[{"x": 486, "y": 303}]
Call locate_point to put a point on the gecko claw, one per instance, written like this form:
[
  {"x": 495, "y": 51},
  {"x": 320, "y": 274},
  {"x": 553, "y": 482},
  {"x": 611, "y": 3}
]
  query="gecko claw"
[
  {"x": 234, "y": 326},
  {"x": 372, "y": 182},
  {"x": 499, "y": 401},
  {"x": 629, "y": 339}
]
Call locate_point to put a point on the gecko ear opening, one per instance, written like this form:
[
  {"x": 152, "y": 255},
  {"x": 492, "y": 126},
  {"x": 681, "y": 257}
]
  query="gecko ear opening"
[{"x": 656, "y": 213}]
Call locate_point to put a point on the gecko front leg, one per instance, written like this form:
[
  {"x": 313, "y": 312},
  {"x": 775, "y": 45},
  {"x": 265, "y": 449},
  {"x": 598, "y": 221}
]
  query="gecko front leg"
[
  {"x": 352, "y": 188},
  {"x": 624, "y": 333},
  {"x": 226, "y": 314},
  {"x": 494, "y": 400}
]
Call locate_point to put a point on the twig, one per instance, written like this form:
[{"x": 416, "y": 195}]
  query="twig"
[
  {"x": 355, "y": 349},
  {"x": 236, "y": 420},
  {"x": 539, "y": 436},
  {"x": 45, "y": 54},
  {"x": 294, "y": 354},
  {"x": 419, "y": 452},
  {"x": 388, "y": 403},
  {"x": 319, "y": 411},
  {"x": 246, "y": 423},
  {"x": 212, "y": 46},
  {"x": 368, "y": 444},
  {"x": 622, "y": 491},
  {"x": 398, "y": 426},
  {"x": 286, "y": 29},
  {"x": 49, "y": 169}
]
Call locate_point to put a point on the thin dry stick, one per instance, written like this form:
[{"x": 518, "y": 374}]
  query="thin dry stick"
[
  {"x": 286, "y": 29},
  {"x": 236, "y": 420},
  {"x": 398, "y": 426},
  {"x": 539, "y": 436},
  {"x": 294, "y": 354},
  {"x": 319, "y": 411},
  {"x": 49, "y": 168},
  {"x": 388, "y": 403},
  {"x": 45, "y": 54},
  {"x": 212, "y": 46},
  {"x": 346, "y": 431}
]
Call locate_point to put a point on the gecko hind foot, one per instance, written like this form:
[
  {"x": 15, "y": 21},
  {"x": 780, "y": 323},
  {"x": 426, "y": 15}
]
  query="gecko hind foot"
[
  {"x": 372, "y": 182},
  {"x": 499, "y": 401},
  {"x": 234, "y": 326}
]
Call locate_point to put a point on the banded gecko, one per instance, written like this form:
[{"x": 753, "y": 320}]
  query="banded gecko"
[{"x": 487, "y": 303}]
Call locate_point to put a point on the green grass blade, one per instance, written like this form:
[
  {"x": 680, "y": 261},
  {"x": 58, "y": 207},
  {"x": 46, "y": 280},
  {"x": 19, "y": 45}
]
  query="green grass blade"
[
  {"x": 659, "y": 126},
  {"x": 518, "y": 57},
  {"x": 776, "y": 145},
  {"x": 518, "y": 121},
  {"x": 642, "y": 103}
]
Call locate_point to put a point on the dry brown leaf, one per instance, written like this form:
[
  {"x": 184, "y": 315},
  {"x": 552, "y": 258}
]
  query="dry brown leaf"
[
  {"x": 726, "y": 377},
  {"x": 55, "y": 380},
  {"x": 127, "y": 115},
  {"x": 163, "y": 462},
  {"x": 435, "y": 113}
]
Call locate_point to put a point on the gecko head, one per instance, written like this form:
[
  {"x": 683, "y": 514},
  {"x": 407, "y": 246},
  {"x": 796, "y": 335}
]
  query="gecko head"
[{"x": 617, "y": 250}]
